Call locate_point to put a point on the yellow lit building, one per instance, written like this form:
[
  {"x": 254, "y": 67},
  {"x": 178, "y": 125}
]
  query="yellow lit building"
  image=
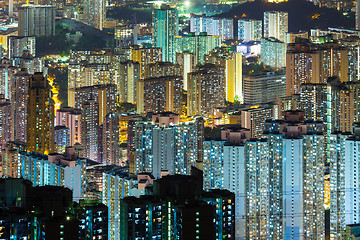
[
  {"x": 232, "y": 64},
  {"x": 40, "y": 116},
  {"x": 4, "y": 36}
]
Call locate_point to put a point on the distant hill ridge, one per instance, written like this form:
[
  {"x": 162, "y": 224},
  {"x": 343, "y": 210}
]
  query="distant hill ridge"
[{"x": 300, "y": 14}]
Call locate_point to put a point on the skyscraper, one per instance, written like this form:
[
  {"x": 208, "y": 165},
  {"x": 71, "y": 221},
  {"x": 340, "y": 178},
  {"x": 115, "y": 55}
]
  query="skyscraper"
[
  {"x": 264, "y": 88},
  {"x": 160, "y": 94},
  {"x": 116, "y": 185},
  {"x": 55, "y": 169},
  {"x": 129, "y": 75},
  {"x": 313, "y": 101},
  {"x": 19, "y": 92},
  {"x": 17, "y": 45},
  {"x": 253, "y": 118},
  {"x": 90, "y": 129},
  {"x": 88, "y": 68},
  {"x": 310, "y": 63},
  {"x": 273, "y": 52},
  {"x": 145, "y": 56},
  {"x": 95, "y": 13},
  {"x": 357, "y": 15},
  {"x": 61, "y": 138},
  {"x": 341, "y": 106},
  {"x": 179, "y": 208},
  {"x": 197, "y": 44},
  {"x": 187, "y": 61},
  {"x": 339, "y": 147},
  {"x": 104, "y": 95},
  {"x": 6, "y": 128},
  {"x": 165, "y": 27},
  {"x": 249, "y": 30},
  {"x": 110, "y": 139},
  {"x": 222, "y": 27},
  {"x": 70, "y": 118},
  {"x": 40, "y": 116},
  {"x": 275, "y": 25},
  {"x": 167, "y": 144},
  {"x": 206, "y": 90},
  {"x": 232, "y": 64},
  {"x": 36, "y": 20},
  {"x": 296, "y": 186}
]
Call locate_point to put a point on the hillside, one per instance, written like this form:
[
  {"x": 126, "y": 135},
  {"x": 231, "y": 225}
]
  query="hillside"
[{"x": 301, "y": 14}]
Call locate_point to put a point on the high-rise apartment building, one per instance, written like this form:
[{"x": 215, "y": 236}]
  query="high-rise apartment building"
[
  {"x": 144, "y": 56},
  {"x": 160, "y": 94},
  {"x": 344, "y": 184},
  {"x": 70, "y": 118},
  {"x": 289, "y": 103},
  {"x": 232, "y": 64},
  {"x": 264, "y": 88},
  {"x": 9, "y": 157},
  {"x": 6, "y": 128},
  {"x": 162, "y": 69},
  {"x": 165, "y": 144},
  {"x": 199, "y": 45},
  {"x": 253, "y": 118},
  {"x": 313, "y": 101},
  {"x": 274, "y": 198},
  {"x": 224, "y": 167},
  {"x": 226, "y": 28},
  {"x": 341, "y": 106},
  {"x": 104, "y": 95},
  {"x": 6, "y": 73},
  {"x": 249, "y": 30},
  {"x": 93, "y": 218},
  {"x": 275, "y": 25},
  {"x": 338, "y": 144},
  {"x": 90, "y": 139},
  {"x": 129, "y": 75},
  {"x": 296, "y": 187},
  {"x": 55, "y": 169},
  {"x": 187, "y": 61},
  {"x": 186, "y": 213},
  {"x": 95, "y": 13},
  {"x": 165, "y": 25},
  {"x": 36, "y": 20},
  {"x": 273, "y": 52},
  {"x": 16, "y": 46},
  {"x": 116, "y": 185},
  {"x": 88, "y": 68},
  {"x": 18, "y": 95},
  {"x": 30, "y": 63},
  {"x": 61, "y": 138},
  {"x": 110, "y": 139},
  {"x": 307, "y": 63},
  {"x": 222, "y": 27},
  {"x": 40, "y": 116},
  {"x": 357, "y": 15},
  {"x": 206, "y": 90}
]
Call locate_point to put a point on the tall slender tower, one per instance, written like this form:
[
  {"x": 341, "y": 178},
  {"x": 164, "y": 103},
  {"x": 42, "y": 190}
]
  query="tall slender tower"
[
  {"x": 95, "y": 13},
  {"x": 11, "y": 8},
  {"x": 165, "y": 23},
  {"x": 357, "y": 19},
  {"x": 40, "y": 115},
  {"x": 275, "y": 24}
]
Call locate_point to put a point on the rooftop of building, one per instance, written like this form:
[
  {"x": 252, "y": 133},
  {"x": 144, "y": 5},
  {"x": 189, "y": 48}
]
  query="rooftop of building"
[
  {"x": 272, "y": 39},
  {"x": 163, "y": 78},
  {"x": 8, "y": 31},
  {"x": 70, "y": 110},
  {"x": 121, "y": 172}
]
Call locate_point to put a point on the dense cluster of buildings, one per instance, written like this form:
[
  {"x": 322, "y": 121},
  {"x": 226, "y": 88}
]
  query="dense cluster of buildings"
[{"x": 191, "y": 136}]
